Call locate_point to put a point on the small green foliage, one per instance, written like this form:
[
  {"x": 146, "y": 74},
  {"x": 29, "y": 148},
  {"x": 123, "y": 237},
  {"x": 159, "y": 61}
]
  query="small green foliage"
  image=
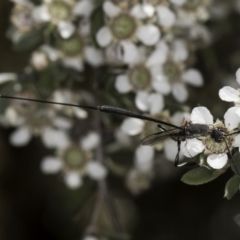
[
  {"x": 29, "y": 40},
  {"x": 198, "y": 176},
  {"x": 232, "y": 187}
]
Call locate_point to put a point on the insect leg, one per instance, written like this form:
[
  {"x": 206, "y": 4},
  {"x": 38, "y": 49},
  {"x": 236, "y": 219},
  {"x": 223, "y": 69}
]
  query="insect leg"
[
  {"x": 187, "y": 163},
  {"x": 178, "y": 152}
]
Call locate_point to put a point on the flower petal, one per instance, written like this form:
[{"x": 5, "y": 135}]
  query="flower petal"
[
  {"x": 158, "y": 56},
  {"x": 93, "y": 56},
  {"x": 162, "y": 87},
  {"x": 142, "y": 11},
  {"x": 104, "y": 37},
  {"x": 231, "y": 119},
  {"x": 6, "y": 77},
  {"x": 89, "y": 237},
  {"x": 236, "y": 142},
  {"x": 65, "y": 29},
  {"x": 110, "y": 9},
  {"x": 122, "y": 84},
  {"x": 178, "y": 2},
  {"x": 193, "y": 76},
  {"x": 192, "y": 147},
  {"x": 237, "y": 111},
  {"x": 170, "y": 150},
  {"x": 121, "y": 137},
  {"x": 153, "y": 102},
  {"x": 201, "y": 115},
  {"x": 55, "y": 138},
  {"x": 90, "y": 141},
  {"x": 53, "y": 54},
  {"x": 217, "y": 161},
  {"x": 179, "y": 92},
  {"x": 144, "y": 158},
  {"x": 132, "y": 126},
  {"x": 51, "y": 165},
  {"x": 21, "y": 136},
  {"x": 83, "y": 8},
  {"x": 229, "y": 94},
  {"x": 73, "y": 180},
  {"x": 179, "y": 51},
  {"x": 62, "y": 122},
  {"x": 96, "y": 170},
  {"x": 128, "y": 52},
  {"x": 80, "y": 113},
  {"x": 156, "y": 103},
  {"x": 75, "y": 63},
  {"x": 238, "y": 76},
  {"x": 41, "y": 14},
  {"x": 141, "y": 101},
  {"x": 138, "y": 12},
  {"x": 179, "y": 117},
  {"x": 148, "y": 34},
  {"x": 166, "y": 17}
]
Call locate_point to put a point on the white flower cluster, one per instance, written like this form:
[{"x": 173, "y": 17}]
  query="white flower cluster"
[
  {"x": 148, "y": 46},
  {"x": 68, "y": 21},
  {"x": 150, "y": 38}
]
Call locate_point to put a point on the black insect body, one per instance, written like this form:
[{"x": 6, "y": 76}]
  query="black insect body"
[{"x": 177, "y": 133}]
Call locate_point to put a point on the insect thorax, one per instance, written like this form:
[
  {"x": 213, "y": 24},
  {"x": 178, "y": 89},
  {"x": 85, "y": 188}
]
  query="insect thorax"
[
  {"x": 194, "y": 131},
  {"x": 219, "y": 141}
]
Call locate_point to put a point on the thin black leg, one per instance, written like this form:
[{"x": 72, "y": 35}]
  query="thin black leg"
[{"x": 178, "y": 152}]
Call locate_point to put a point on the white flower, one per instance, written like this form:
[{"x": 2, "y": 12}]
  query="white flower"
[
  {"x": 148, "y": 34},
  {"x": 142, "y": 77},
  {"x": 75, "y": 161},
  {"x": 217, "y": 150},
  {"x": 170, "y": 75},
  {"x": 56, "y": 13}
]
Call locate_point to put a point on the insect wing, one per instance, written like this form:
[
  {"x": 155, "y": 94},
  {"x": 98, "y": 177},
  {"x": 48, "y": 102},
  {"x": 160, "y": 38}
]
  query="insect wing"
[{"x": 160, "y": 136}]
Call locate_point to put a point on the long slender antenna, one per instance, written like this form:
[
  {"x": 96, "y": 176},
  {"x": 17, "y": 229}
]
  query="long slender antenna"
[{"x": 103, "y": 108}]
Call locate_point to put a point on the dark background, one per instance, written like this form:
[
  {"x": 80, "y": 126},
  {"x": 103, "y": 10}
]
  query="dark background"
[{"x": 38, "y": 206}]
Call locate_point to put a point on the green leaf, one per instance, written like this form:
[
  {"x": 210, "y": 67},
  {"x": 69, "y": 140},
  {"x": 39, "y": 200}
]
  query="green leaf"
[
  {"x": 29, "y": 40},
  {"x": 198, "y": 176},
  {"x": 232, "y": 187}
]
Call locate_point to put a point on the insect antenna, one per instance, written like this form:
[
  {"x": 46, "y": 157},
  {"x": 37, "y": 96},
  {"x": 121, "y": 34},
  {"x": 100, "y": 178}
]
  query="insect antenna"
[{"x": 102, "y": 108}]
